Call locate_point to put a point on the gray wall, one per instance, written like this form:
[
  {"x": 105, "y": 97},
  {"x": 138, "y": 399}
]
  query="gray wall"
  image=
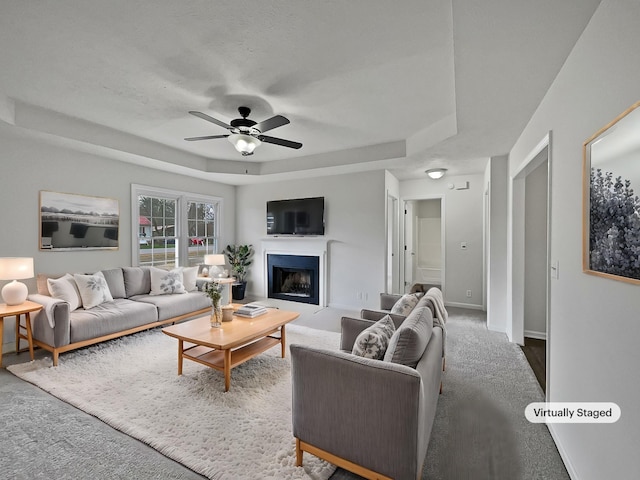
[
  {"x": 463, "y": 222},
  {"x": 354, "y": 225},
  {"x": 594, "y": 325},
  {"x": 29, "y": 166}
]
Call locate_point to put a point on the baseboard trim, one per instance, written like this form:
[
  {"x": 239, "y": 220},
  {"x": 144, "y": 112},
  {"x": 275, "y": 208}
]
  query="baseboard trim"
[
  {"x": 563, "y": 453},
  {"x": 536, "y": 335},
  {"x": 472, "y": 306}
]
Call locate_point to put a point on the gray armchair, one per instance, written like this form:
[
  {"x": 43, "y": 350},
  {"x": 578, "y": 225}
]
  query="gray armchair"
[{"x": 371, "y": 417}]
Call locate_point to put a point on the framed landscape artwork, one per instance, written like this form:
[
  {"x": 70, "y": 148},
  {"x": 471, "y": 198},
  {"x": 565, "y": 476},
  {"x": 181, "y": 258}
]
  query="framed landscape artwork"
[
  {"x": 611, "y": 222},
  {"x": 78, "y": 222}
]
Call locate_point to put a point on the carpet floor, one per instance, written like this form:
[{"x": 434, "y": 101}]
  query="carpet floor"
[
  {"x": 479, "y": 432},
  {"x": 132, "y": 385}
]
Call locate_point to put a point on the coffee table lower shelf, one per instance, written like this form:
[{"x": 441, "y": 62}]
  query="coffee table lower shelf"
[{"x": 225, "y": 360}]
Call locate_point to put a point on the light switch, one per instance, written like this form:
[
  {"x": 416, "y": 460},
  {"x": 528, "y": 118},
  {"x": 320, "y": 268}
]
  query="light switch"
[{"x": 463, "y": 245}]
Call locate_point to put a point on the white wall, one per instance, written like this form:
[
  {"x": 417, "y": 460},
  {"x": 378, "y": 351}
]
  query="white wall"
[
  {"x": 496, "y": 219},
  {"x": 28, "y": 166},
  {"x": 535, "y": 263},
  {"x": 354, "y": 225},
  {"x": 462, "y": 223},
  {"x": 594, "y": 324}
]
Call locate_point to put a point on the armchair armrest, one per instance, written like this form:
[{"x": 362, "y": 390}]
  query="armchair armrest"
[
  {"x": 375, "y": 315},
  {"x": 351, "y": 328},
  {"x": 388, "y": 300},
  {"x": 365, "y": 411},
  {"x": 51, "y": 324}
]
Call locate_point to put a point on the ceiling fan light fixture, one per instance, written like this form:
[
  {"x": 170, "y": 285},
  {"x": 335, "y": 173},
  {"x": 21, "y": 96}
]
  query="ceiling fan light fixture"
[
  {"x": 243, "y": 143},
  {"x": 436, "y": 173}
]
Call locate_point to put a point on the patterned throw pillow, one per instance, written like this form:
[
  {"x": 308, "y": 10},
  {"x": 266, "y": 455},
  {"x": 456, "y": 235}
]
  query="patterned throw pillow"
[
  {"x": 165, "y": 282},
  {"x": 405, "y": 304},
  {"x": 65, "y": 288},
  {"x": 373, "y": 341},
  {"x": 93, "y": 289}
]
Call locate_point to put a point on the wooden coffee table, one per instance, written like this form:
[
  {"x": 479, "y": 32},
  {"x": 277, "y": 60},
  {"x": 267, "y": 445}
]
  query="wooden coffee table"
[{"x": 233, "y": 343}]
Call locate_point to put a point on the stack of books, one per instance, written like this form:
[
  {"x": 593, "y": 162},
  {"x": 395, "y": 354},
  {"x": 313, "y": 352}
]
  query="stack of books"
[{"x": 251, "y": 310}]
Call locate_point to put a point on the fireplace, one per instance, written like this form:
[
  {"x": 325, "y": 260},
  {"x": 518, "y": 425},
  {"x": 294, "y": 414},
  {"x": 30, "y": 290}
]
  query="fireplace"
[{"x": 294, "y": 277}]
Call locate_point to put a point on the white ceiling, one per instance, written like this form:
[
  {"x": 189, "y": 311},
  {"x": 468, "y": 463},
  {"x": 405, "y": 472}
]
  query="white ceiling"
[{"x": 367, "y": 84}]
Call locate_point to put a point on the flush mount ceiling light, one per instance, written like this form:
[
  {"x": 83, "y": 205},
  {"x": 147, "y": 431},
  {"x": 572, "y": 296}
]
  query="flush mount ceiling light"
[
  {"x": 436, "y": 173},
  {"x": 245, "y": 144}
]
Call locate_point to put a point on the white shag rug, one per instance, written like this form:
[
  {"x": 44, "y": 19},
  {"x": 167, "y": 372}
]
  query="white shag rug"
[{"x": 132, "y": 384}]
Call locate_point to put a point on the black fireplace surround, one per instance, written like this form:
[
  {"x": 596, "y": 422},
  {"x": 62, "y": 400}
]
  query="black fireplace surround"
[{"x": 294, "y": 277}]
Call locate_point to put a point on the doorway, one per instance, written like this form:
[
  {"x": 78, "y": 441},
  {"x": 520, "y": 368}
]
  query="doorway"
[
  {"x": 423, "y": 243},
  {"x": 530, "y": 259}
]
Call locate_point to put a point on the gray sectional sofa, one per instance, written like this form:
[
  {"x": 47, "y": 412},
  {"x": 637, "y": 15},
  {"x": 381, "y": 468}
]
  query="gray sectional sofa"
[
  {"x": 372, "y": 417},
  {"x": 58, "y": 329}
]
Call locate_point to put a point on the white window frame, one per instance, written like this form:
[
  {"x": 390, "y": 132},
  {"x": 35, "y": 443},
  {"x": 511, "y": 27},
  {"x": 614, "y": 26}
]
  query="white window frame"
[{"x": 182, "y": 200}]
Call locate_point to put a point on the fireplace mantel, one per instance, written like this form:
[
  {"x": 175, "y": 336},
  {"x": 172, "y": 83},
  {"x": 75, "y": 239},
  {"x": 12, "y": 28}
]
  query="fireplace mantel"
[{"x": 312, "y": 246}]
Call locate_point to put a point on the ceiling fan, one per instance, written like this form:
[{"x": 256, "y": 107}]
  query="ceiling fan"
[{"x": 246, "y": 134}]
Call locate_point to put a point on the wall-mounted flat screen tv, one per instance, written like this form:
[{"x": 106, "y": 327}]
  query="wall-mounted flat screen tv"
[{"x": 300, "y": 216}]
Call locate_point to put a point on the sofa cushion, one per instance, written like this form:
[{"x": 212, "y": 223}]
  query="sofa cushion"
[
  {"x": 115, "y": 281},
  {"x": 189, "y": 277},
  {"x": 137, "y": 281},
  {"x": 175, "y": 305},
  {"x": 65, "y": 288},
  {"x": 108, "y": 318},
  {"x": 165, "y": 282},
  {"x": 41, "y": 282},
  {"x": 373, "y": 341},
  {"x": 410, "y": 340},
  {"x": 405, "y": 304},
  {"x": 93, "y": 289}
]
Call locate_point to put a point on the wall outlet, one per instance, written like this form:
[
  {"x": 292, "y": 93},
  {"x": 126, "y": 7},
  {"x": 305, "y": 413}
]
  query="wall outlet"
[{"x": 468, "y": 293}]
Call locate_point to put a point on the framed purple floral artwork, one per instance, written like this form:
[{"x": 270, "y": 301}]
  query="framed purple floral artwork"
[{"x": 611, "y": 212}]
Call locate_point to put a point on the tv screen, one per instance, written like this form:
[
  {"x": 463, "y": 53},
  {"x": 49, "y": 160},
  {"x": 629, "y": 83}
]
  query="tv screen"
[{"x": 301, "y": 216}]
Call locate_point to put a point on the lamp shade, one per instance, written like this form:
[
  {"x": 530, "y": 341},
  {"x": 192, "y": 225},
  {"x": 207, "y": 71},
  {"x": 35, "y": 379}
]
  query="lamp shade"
[
  {"x": 16, "y": 268},
  {"x": 244, "y": 143},
  {"x": 214, "y": 259}
]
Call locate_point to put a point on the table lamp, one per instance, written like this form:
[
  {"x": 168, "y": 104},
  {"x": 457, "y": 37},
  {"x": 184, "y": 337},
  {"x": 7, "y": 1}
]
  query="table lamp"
[
  {"x": 15, "y": 268},
  {"x": 215, "y": 260}
]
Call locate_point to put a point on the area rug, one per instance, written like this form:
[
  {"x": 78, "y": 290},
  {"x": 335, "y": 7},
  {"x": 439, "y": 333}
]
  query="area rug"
[{"x": 132, "y": 384}]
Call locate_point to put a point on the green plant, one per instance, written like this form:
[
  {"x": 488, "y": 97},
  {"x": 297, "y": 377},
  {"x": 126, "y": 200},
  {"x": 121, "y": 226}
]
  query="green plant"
[
  {"x": 239, "y": 257},
  {"x": 214, "y": 291}
]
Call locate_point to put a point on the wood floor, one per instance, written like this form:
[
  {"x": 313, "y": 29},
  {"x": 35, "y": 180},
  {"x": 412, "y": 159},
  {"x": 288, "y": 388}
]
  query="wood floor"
[{"x": 536, "y": 352}]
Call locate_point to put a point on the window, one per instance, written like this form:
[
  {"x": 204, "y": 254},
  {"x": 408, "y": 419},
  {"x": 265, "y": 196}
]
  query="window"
[{"x": 172, "y": 228}]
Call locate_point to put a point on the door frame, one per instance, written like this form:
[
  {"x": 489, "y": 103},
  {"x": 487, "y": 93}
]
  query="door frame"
[
  {"x": 392, "y": 269},
  {"x": 443, "y": 244},
  {"x": 516, "y": 248}
]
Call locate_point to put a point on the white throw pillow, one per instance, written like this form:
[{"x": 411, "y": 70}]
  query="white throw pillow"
[
  {"x": 373, "y": 341},
  {"x": 189, "y": 277},
  {"x": 93, "y": 289},
  {"x": 65, "y": 288},
  {"x": 165, "y": 282},
  {"x": 405, "y": 304}
]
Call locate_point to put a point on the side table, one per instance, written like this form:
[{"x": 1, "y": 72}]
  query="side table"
[{"x": 17, "y": 311}]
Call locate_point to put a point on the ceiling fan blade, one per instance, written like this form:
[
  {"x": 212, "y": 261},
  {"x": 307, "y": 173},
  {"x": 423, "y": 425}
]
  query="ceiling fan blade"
[
  {"x": 208, "y": 137},
  {"x": 206, "y": 117},
  {"x": 271, "y": 123},
  {"x": 280, "y": 141}
]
